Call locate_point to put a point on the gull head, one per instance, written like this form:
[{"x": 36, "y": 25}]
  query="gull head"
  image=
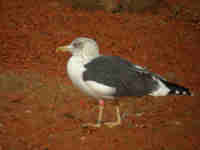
[{"x": 82, "y": 46}]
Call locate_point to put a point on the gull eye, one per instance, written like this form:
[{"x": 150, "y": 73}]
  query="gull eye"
[{"x": 77, "y": 44}]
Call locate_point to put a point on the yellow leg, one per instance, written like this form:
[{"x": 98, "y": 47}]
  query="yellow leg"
[
  {"x": 117, "y": 122},
  {"x": 100, "y": 115}
]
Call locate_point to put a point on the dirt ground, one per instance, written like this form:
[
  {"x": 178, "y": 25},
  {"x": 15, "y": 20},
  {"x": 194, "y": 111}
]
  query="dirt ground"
[{"x": 41, "y": 110}]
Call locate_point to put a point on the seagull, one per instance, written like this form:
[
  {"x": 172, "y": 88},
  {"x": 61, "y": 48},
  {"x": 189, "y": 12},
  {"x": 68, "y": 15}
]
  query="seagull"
[{"x": 111, "y": 77}]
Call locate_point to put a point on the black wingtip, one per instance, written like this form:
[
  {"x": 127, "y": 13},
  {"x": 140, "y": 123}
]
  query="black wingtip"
[
  {"x": 176, "y": 89},
  {"x": 179, "y": 90}
]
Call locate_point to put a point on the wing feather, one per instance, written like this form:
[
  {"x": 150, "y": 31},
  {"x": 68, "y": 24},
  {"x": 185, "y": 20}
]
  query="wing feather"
[{"x": 127, "y": 78}]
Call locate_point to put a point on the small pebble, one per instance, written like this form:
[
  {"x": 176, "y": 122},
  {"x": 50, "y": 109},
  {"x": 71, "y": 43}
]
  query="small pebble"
[
  {"x": 178, "y": 123},
  {"x": 82, "y": 138},
  {"x": 139, "y": 114},
  {"x": 1, "y": 125},
  {"x": 28, "y": 111}
]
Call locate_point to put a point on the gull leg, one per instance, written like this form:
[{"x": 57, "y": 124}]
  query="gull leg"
[
  {"x": 117, "y": 122},
  {"x": 100, "y": 115}
]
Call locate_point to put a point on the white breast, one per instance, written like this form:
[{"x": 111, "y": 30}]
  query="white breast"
[{"x": 75, "y": 69}]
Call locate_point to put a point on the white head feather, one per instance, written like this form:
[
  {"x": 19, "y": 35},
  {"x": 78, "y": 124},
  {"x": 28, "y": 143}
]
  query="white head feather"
[{"x": 84, "y": 47}]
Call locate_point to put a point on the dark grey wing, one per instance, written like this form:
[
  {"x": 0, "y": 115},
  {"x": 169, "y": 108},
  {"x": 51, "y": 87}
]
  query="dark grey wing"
[
  {"x": 127, "y": 78},
  {"x": 144, "y": 70}
]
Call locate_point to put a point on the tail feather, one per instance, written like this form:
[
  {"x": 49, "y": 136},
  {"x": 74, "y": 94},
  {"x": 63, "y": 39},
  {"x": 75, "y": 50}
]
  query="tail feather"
[{"x": 176, "y": 89}]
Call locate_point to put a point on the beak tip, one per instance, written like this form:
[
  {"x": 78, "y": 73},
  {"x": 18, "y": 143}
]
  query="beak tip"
[{"x": 57, "y": 49}]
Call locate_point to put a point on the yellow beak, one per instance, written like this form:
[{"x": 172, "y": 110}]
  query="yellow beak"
[{"x": 62, "y": 49}]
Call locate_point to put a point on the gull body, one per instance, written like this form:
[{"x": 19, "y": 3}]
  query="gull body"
[{"x": 111, "y": 77}]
